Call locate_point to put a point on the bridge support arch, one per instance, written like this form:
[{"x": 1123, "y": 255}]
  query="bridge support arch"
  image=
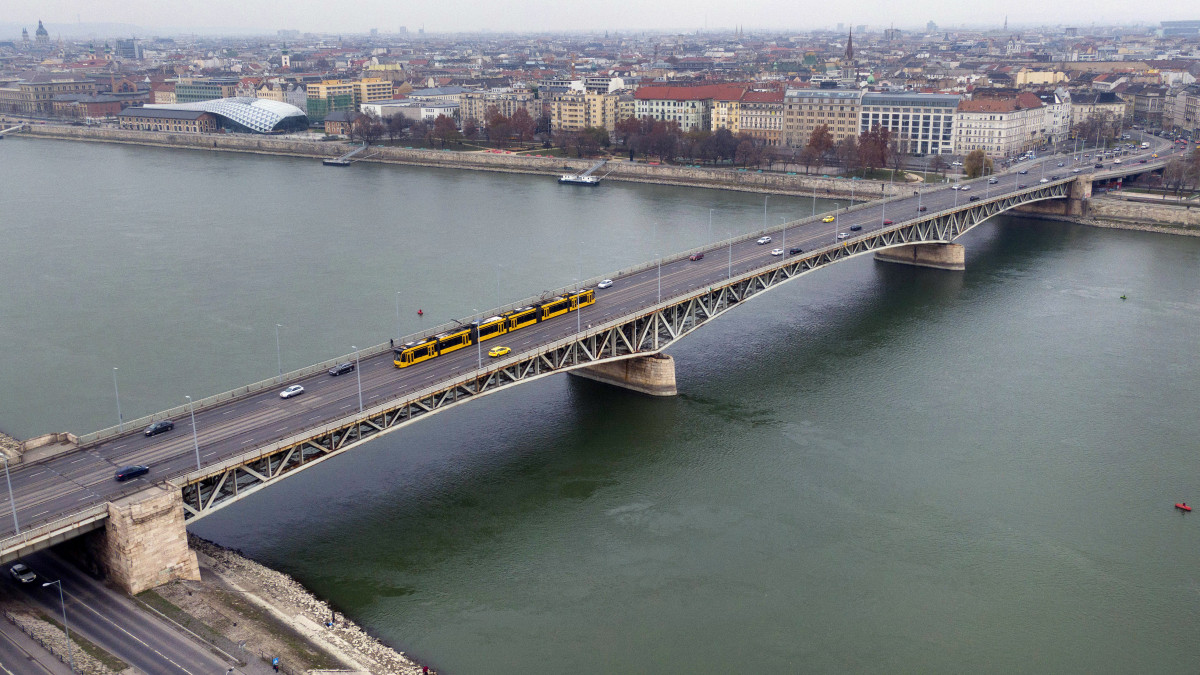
[
  {"x": 653, "y": 375},
  {"x": 938, "y": 256},
  {"x": 144, "y": 541}
]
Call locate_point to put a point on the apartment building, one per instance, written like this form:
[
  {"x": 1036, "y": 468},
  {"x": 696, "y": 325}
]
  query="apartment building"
[
  {"x": 1181, "y": 109},
  {"x": 726, "y": 109},
  {"x": 691, "y": 107},
  {"x": 1001, "y": 126},
  {"x": 568, "y": 112},
  {"x": 476, "y": 103},
  {"x": 602, "y": 110},
  {"x": 922, "y": 124},
  {"x": 194, "y": 89},
  {"x": 160, "y": 119},
  {"x": 806, "y": 109},
  {"x": 760, "y": 115},
  {"x": 1087, "y": 105},
  {"x": 36, "y": 95},
  {"x": 329, "y": 96}
]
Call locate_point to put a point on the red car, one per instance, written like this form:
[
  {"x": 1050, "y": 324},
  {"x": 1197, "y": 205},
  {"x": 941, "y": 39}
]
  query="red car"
[
  {"x": 696, "y": 256},
  {"x": 922, "y": 208},
  {"x": 888, "y": 222}
]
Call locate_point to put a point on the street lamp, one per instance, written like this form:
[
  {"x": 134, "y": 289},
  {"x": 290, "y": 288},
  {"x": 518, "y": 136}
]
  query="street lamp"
[
  {"x": 478, "y": 342},
  {"x": 710, "y": 225},
  {"x": 836, "y": 206},
  {"x": 358, "y": 375},
  {"x": 195, "y": 440},
  {"x": 66, "y": 627},
  {"x": 730, "y": 233},
  {"x": 659, "y": 277},
  {"x": 278, "y": 354},
  {"x": 12, "y": 502},
  {"x": 765, "y": 198},
  {"x": 120, "y": 420},
  {"x": 399, "y": 332}
]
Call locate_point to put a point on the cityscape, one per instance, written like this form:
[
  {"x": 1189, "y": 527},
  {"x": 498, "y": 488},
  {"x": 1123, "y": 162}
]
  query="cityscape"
[{"x": 957, "y": 434}]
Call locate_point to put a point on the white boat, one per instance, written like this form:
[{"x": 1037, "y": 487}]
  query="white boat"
[{"x": 576, "y": 179}]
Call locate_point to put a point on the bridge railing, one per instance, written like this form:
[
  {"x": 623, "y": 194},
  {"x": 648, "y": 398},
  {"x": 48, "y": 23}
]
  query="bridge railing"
[{"x": 43, "y": 527}]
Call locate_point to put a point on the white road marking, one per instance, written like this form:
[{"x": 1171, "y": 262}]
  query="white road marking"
[
  {"x": 345, "y": 406},
  {"x": 114, "y": 625},
  {"x": 118, "y": 447},
  {"x": 39, "y": 514},
  {"x": 83, "y": 498},
  {"x": 227, "y": 412},
  {"x": 248, "y": 440},
  {"x": 281, "y": 429},
  {"x": 76, "y": 461},
  {"x": 34, "y": 475}
]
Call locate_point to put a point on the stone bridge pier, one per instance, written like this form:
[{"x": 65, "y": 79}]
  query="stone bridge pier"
[
  {"x": 144, "y": 541},
  {"x": 653, "y": 375}
]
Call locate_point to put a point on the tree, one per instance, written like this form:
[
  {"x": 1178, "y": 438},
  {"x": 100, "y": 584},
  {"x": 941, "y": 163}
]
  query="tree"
[
  {"x": 626, "y": 129},
  {"x": 809, "y": 157},
  {"x": 938, "y": 164},
  {"x": 471, "y": 128},
  {"x": 523, "y": 126},
  {"x": 396, "y": 125},
  {"x": 873, "y": 147},
  {"x": 976, "y": 163},
  {"x": 366, "y": 128},
  {"x": 820, "y": 142},
  {"x": 496, "y": 125},
  {"x": 1174, "y": 174},
  {"x": 846, "y": 151},
  {"x": 419, "y": 131},
  {"x": 445, "y": 129}
]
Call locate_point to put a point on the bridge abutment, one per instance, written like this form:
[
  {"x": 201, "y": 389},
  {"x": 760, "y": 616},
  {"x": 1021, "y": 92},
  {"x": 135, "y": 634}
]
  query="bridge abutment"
[
  {"x": 1074, "y": 205},
  {"x": 653, "y": 375},
  {"x": 938, "y": 256},
  {"x": 144, "y": 541}
]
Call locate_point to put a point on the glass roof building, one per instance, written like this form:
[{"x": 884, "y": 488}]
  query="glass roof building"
[{"x": 248, "y": 115}]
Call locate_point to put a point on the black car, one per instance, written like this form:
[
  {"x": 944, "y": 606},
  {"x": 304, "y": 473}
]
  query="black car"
[
  {"x": 1099, "y": 166},
  {"x": 125, "y": 473},
  {"x": 1023, "y": 171},
  {"x": 855, "y": 228},
  {"x": 342, "y": 368},
  {"x": 159, "y": 427},
  {"x": 922, "y": 208},
  {"x": 794, "y": 250},
  {"x": 974, "y": 198},
  {"x": 1022, "y": 185}
]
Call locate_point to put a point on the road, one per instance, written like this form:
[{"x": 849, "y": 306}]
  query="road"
[
  {"x": 112, "y": 621},
  {"x": 76, "y": 480}
]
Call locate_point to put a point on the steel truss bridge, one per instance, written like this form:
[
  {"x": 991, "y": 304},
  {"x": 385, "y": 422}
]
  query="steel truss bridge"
[{"x": 644, "y": 333}]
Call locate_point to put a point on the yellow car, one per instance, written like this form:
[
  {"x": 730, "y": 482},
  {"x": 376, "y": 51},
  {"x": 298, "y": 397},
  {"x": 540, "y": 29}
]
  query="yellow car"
[
  {"x": 827, "y": 219},
  {"x": 498, "y": 351}
]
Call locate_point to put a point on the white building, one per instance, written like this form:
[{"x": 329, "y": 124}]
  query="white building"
[
  {"x": 920, "y": 123},
  {"x": 1001, "y": 127}
]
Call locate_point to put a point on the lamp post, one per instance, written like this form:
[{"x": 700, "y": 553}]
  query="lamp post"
[
  {"x": 498, "y": 303},
  {"x": 814, "y": 213},
  {"x": 478, "y": 342},
  {"x": 279, "y": 354},
  {"x": 765, "y": 198},
  {"x": 66, "y": 626},
  {"x": 836, "y": 206},
  {"x": 195, "y": 439},
  {"x": 358, "y": 375},
  {"x": 117, "y": 392},
  {"x": 730, "y": 272},
  {"x": 12, "y": 502},
  {"x": 710, "y": 225},
  {"x": 399, "y": 333},
  {"x": 659, "y": 277}
]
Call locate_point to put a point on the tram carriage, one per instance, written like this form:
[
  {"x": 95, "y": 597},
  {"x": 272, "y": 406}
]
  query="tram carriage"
[{"x": 486, "y": 329}]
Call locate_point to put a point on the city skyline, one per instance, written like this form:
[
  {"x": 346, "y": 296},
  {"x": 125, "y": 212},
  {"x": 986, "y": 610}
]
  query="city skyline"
[{"x": 464, "y": 16}]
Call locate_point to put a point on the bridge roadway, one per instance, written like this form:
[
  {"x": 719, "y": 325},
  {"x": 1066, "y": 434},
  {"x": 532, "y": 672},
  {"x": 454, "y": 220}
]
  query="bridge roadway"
[{"x": 74, "y": 481}]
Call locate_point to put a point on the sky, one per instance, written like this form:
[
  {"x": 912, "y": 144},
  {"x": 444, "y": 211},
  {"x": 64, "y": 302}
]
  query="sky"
[{"x": 445, "y": 16}]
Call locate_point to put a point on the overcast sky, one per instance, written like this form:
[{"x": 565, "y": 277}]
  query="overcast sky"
[{"x": 545, "y": 15}]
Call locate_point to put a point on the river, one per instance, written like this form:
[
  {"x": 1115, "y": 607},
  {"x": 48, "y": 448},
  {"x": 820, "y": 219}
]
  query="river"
[{"x": 874, "y": 468}]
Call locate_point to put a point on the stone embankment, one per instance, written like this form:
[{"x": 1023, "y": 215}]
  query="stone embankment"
[
  {"x": 10, "y": 447},
  {"x": 290, "y": 604},
  {"x": 725, "y": 179},
  {"x": 1119, "y": 214}
]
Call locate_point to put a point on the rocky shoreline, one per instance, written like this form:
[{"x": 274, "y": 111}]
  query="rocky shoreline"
[{"x": 237, "y": 587}]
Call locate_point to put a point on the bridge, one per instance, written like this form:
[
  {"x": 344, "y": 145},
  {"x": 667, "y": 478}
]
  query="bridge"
[{"x": 247, "y": 439}]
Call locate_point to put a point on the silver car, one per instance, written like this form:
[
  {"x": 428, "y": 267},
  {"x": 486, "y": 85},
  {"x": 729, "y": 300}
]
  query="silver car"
[{"x": 294, "y": 390}]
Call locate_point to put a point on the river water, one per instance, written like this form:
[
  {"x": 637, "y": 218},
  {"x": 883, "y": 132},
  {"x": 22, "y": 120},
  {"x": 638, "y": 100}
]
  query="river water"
[{"x": 874, "y": 468}]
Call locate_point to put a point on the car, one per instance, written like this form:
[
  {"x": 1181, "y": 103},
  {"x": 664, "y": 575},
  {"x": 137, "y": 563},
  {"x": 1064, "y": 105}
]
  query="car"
[
  {"x": 294, "y": 390},
  {"x": 498, "y": 351},
  {"x": 794, "y": 250},
  {"x": 133, "y": 471},
  {"x": 699, "y": 256},
  {"x": 1053, "y": 176},
  {"x": 956, "y": 186},
  {"x": 764, "y": 240},
  {"x": 342, "y": 368},
  {"x": 974, "y": 198},
  {"x": 1099, "y": 166},
  {"x": 159, "y": 427},
  {"x": 922, "y": 208},
  {"x": 888, "y": 222},
  {"x": 22, "y": 573},
  {"x": 1142, "y": 161},
  {"x": 843, "y": 235},
  {"x": 776, "y": 251},
  {"x": 956, "y": 163},
  {"x": 607, "y": 283},
  {"x": 1062, "y": 164},
  {"x": 1155, "y": 155},
  {"x": 827, "y": 219},
  {"x": 993, "y": 181},
  {"x": 966, "y": 187},
  {"x": 1023, "y": 171},
  {"x": 1043, "y": 180},
  {"x": 1117, "y": 160},
  {"x": 1022, "y": 186},
  {"x": 1077, "y": 170},
  {"x": 855, "y": 228}
]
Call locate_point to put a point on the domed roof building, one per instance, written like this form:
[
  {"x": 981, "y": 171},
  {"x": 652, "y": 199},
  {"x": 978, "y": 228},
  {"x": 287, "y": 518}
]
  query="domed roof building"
[{"x": 247, "y": 114}]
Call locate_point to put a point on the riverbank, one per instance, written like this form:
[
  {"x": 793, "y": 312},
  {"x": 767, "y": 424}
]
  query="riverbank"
[
  {"x": 618, "y": 170},
  {"x": 1121, "y": 214},
  {"x": 254, "y": 612}
]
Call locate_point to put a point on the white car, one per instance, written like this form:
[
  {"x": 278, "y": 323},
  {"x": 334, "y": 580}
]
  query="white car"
[
  {"x": 764, "y": 240},
  {"x": 993, "y": 181},
  {"x": 294, "y": 390},
  {"x": 956, "y": 186},
  {"x": 776, "y": 251},
  {"x": 843, "y": 235},
  {"x": 607, "y": 283},
  {"x": 966, "y": 187},
  {"x": 956, "y": 163},
  {"x": 1044, "y": 180}
]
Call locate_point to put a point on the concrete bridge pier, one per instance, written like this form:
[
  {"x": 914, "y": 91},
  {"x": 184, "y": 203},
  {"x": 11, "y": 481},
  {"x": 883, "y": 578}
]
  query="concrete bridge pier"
[
  {"x": 653, "y": 375},
  {"x": 937, "y": 256},
  {"x": 144, "y": 541},
  {"x": 1076, "y": 204}
]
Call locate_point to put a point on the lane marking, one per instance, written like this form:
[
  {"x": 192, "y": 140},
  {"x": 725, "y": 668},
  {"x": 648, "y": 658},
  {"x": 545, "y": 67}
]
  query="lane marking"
[
  {"x": 248, "y": 440},
  {"x": 164, "y": 657}
]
